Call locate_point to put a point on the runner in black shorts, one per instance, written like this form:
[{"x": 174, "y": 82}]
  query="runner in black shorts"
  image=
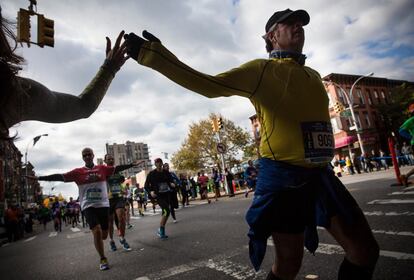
[
  {"x": 93, "y": 196},
  {"x": 158, "y": 184},
  {"x": 116, "y": 206},
  {"x": 97, "y": 216}
]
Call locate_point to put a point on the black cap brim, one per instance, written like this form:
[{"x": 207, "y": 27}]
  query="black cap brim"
[
  {"x": 302, "y": 14},
  {"x": 276, "y": 18}
]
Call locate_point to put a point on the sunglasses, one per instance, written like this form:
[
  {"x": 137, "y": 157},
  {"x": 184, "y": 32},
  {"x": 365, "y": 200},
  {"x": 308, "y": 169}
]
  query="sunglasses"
[{"x": 87, "y": 155}]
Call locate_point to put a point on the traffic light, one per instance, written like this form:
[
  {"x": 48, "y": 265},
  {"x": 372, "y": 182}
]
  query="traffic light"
[
  {"x": 214, "y": 125},
  {"x": 338, "y": 107},
  {"x": 23, "y": 26},
  {"x": 45, "y": 31},
  {"x": 220, "y": 123}
]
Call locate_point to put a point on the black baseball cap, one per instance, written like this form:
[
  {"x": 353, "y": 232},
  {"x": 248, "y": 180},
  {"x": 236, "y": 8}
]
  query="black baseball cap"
[{"x": 281, "y": 16}]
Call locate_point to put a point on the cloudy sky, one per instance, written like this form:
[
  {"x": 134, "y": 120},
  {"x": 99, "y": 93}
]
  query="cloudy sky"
[{"x": 344, "y": 36}]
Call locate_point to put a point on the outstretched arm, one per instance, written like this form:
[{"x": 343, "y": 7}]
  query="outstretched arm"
[
  {"x": 37, "y": 102},
  {"x": 242, "y": 81},
  {"x": 123, "y": 167},
  {"x": 53, "y": 177}
]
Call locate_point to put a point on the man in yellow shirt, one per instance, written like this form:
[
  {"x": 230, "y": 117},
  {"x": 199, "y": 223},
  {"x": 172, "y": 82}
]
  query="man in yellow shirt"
[{"x": 296, "y": 148}]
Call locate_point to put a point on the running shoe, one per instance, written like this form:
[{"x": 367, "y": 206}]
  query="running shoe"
[
  {"x": 162, "y": 236},
  {"x": 174, "y": 221},
  {"x": 113, "y": 246},
  {"x": 104, "y": 264},
  {"x": 125, "y": 245}
]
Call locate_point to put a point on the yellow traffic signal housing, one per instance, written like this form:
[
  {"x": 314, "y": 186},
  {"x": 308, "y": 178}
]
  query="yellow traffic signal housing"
[
  {"x": 23, "y": 26},
  {"x": 214, "y": 125},
  {"x": 45, "y": 31},
  {"x": 220, "y": 123},
  {"x": 338, "y": 107}
]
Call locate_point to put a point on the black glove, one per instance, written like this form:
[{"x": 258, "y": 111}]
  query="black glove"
[{"x": 134, "y": 42}]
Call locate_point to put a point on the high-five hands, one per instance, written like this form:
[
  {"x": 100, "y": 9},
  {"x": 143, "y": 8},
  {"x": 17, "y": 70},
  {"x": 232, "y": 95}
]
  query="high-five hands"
[
  {"x": 134, "y": 42},
  {"x": 116, "y": 56}
]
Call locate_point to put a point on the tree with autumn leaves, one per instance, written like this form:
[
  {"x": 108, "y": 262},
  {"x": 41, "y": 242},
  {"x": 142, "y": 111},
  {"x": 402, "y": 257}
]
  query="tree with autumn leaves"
[{"x": 199, "y": 149}]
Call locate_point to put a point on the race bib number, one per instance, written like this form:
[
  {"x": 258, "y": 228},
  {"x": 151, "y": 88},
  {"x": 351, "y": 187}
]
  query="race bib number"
[
  {"x": 318, "y": 141},
  {"x": 163, "y": 187},
  {"x": 94, "y": 194},
  {"x": 115, "y": 189}
]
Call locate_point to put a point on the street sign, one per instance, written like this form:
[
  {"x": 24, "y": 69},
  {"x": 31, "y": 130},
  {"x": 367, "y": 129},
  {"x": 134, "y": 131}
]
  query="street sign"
[
  {"x": 221, "y": 148},
  {"x": 346, "y": 114}
]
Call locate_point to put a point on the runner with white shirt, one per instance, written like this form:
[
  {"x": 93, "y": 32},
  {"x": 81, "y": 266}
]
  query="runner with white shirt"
[{"x": 93, "y": 196}]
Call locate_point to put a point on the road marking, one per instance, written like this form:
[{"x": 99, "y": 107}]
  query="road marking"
[
  {"x": 402, "y": 233},
  {"x": 30, "y": 239},
  {"x": 311, "y": 276},
  {"x": 380, "y": 213},
  {"x": 399, "y": 193},
  {"x": 75, "y": 229},
  {"x": 135, "y": 218},
  {"x": 219, "y": 263},
  {"x": 392, "y": 201},
  {"x": 336, "y": 249},
  {"x": 397, "y": 255},
  {"x": 408, "y": 188},
  {"x": 331, "y": 249},
  {"x": 75, "y": 235},
  {"x": 234, "y": 270},
  {"x": 53, "y": 234}
]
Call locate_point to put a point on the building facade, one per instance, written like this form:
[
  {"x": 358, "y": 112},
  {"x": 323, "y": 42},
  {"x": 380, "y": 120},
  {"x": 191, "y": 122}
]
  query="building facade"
[
  {"x": 366, "y": 95},
  {"x": 255, "y": 126},
  {"x": 128, "y": 153},
  {"x": 11, "y": 180}
]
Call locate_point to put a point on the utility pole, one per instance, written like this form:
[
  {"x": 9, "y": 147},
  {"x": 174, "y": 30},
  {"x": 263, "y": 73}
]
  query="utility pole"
[{"x": 218, "y": 125}]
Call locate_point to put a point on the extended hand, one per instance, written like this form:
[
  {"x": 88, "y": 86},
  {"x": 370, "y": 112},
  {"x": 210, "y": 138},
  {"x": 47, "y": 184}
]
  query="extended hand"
[
  {"x": 134, "y": 42},
  {"x": 138, "y": 162},
  {"x": 116, "y": 57}
]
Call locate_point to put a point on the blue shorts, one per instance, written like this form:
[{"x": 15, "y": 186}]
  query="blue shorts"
[
  {"x": 294, "y": 199},
  {"x": 300, "y": 197}
]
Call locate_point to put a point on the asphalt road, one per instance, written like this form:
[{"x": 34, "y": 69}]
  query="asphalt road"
[{"x": 209, "y": 242}]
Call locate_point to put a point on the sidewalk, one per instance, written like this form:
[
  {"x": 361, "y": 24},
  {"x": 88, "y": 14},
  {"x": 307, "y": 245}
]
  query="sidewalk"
[{"x": 36, "y": 229}]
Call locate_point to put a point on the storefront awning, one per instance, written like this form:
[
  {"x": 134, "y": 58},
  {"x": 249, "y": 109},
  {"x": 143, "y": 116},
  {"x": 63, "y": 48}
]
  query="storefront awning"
[{"x": 344, "y": 141}]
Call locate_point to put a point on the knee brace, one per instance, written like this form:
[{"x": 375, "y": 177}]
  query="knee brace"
[{"x": 348, "y": 271}]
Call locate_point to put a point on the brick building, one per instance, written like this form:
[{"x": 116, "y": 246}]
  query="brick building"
[
  {"x": 11, "y": 180},
  {"x": 366, "y": 95}
]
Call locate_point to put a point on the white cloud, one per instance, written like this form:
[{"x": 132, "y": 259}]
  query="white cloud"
[{"x": 211, "y": 36}]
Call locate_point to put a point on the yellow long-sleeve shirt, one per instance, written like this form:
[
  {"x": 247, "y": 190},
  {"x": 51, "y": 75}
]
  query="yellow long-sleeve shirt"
[{"x": 290, "y": 101}]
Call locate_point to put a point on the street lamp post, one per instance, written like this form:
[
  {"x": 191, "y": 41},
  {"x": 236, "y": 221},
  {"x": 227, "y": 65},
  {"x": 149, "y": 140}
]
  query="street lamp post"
[
  {"x": 35, "y": 139},
  {"x": 350, "y": 100}
]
